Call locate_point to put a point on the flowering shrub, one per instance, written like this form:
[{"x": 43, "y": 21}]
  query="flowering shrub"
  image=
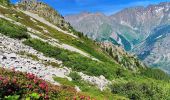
[
  {"x": 80, "y": 97},
  {"x": 16, "y": 85}
]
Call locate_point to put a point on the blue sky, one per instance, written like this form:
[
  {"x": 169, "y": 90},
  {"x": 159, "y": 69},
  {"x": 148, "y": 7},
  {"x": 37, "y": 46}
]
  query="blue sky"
[{"x": 108, "y": 7}]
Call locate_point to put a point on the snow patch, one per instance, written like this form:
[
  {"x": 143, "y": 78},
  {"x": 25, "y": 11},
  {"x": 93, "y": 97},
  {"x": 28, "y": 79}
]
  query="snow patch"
[
  {"x": 159, "y": 10},
  {"x": 159, "y": 37}
]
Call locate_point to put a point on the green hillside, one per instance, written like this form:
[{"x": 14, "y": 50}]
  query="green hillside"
[{"x": 129, "y": 79}]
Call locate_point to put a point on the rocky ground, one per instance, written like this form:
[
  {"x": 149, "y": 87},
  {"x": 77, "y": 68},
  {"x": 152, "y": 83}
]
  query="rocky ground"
[{"x": 11, "y": 58}]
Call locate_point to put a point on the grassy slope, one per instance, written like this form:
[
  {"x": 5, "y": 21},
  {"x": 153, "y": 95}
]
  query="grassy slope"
[
  {"x": 107, "y": 67},
  {"x": 82, "y": 43}
]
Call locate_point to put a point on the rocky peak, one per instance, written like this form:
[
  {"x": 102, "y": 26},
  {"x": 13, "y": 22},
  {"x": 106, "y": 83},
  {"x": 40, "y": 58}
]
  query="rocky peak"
[
  {"x": 143, "y": 18},
  {"x": 28, "y": 1},
  {"x": 45, "y": 11}
]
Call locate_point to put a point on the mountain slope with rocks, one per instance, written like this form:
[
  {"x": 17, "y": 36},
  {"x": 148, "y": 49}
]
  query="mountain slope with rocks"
[{"x": 56, "y": 62}]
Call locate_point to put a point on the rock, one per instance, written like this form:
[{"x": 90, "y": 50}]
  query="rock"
[
  {"x": 77, "y": 89},
  {"x": 101, "y": 82}
]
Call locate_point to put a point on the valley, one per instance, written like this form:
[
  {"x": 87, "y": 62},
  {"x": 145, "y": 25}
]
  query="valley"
[
  {"x": 42, "y": 57},
  {"x": 134, "y": 28}
]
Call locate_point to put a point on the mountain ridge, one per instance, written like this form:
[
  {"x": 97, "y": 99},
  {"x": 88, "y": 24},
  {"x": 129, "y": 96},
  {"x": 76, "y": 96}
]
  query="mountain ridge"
[
  {"x": 129, "y": 27},
  {"x": 46, "y": 62}
]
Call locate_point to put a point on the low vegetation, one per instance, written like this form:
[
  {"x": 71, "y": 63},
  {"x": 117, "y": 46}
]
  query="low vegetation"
[
  {"x": 74, "y": 60},
  {"x": 147, "y": 84},
  {"x": 12, "y": 30},
  {"x": 16, "y": 86},
  {"x": 139, "y": 88},
  {"x": 5, "y": 2},
  {"x": 90, "y": 90},
  {"x": 156, "y": 74}
]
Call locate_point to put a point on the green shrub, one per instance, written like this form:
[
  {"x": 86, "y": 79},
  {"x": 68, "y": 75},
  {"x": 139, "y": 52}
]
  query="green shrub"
[
  {"x": 35, "y": 96},
  {"x": 74, "y": 60},
  {"x": 13, "y": 97},
  {"x": 12, "y": 30},
  {"x": 75, "y": 76},
  {"x": 135, "y": 90},
  {"x": 155, "y": 74},
  {"x": 5, "y": 2}
]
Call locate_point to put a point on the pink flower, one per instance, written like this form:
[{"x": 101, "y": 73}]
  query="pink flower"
[
  {"x": 46, "y": 89},
  {"x": 1, "y": 78},
  {"x": 46, "y": 97},
  {"x": 74, "y": 98},
  {"x": 35, "y": 81},
  {"x": 30, "y": 86},
  {"x": 5, "y": 81},
  {"x": 82, "y": 97},
  {"x": 14, "y": 80},
  {"x": 42, "y": 86},
  {"x": 88, "y": 98},
  {"x": 30, "y": 76}
]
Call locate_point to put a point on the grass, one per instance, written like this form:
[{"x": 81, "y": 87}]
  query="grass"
[
  {"x": 90, "y": 90},
  {"x": 127, "y": 84},
  {"x": 82, "y": 43},
  {"x": 74, "y": 60},
  {"x": 12, "y": 30},
  {"x": 141, "y": 88},
  {"x": 34, "y": 57}
]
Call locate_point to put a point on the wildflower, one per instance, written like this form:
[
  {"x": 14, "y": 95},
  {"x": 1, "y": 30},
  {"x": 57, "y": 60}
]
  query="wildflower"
[
  {"x": 46, "y": 97},
  {"x": 30, "y": 86},
  {"x": 35, "y": 81},
  {"x": 30, "y": 76},
  {"x": 5, "y": 81},
  {"x": 1, "y": 78},
  {"x": 74, "y": 98},
  {"x": 82, "y": 97},
  {"x": 14, "y": 81},
  {"x": 42, "y": 86},
  {"x": 88, "y": 97}
]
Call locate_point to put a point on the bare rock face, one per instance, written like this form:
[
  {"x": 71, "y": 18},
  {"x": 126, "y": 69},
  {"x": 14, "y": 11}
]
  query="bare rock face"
[
  {"x": 127, "y": 60},
  {"x": 45, "y": 11}
]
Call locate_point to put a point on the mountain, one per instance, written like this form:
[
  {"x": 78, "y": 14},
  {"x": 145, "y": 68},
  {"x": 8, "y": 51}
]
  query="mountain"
[
  {"x": 155, "y": 49},
  {"x": 142, "y": 20},
  {"x": 42, "y": 57},
  {"x": 134, "y": 24},
  {"x": 131, "y": 28}
]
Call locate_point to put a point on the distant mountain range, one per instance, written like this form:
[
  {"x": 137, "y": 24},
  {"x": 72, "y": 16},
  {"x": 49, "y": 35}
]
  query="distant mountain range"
[
  {"x": 42, "y": 57},
  {"x": 141, "y": 30}
]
